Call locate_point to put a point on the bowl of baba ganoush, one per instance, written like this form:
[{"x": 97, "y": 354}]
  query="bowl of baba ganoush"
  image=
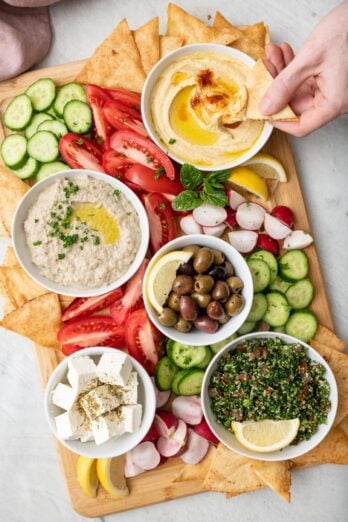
[
  {"x": 100, "y": 402},
  {"x": 80, "y": 233},
  {"x": 194, "y": 106}
]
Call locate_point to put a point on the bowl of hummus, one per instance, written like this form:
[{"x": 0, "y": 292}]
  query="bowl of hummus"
[
  {"x": 194, "y": 107},
  {"x": 80, "y": 233}
]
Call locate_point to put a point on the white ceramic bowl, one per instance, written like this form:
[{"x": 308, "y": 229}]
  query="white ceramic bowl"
[
  {"x": 115, "y": 446},
  {"x": 156, "y": 72},
  {"x": 22, "y": 251},
  {"x": 196, "y": 337},
  {"x": 290, "y": 452}
]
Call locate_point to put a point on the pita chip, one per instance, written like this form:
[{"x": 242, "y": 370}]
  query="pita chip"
[
  {"x": 239, "y": 40},
  {"x": 10, "y": 258},
  {"x": 328, "y": 338},
  {"x": 65, "y": 301},
  {"x": 18, "y": 286},
  {"x": 343, "y": 425},
  {"x": 276, "y": 475},
  {"x": 258, "y": 81},
  {"x": 256, "y": 32},
  {"x": 38, "y": 319},
  {"x": 3, "y": 231},
  {"x": 147, "y": 41},
  {"x": 116, "y": 62},
  {"x": 196, "y": 471},
  {"x": 332, "y": 450},
  {"x": 169, "y": 44},
  {"x": 12, "y": 189}
]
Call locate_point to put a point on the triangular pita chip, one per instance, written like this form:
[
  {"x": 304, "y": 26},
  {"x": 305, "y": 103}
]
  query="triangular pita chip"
[
  {"x": 169, "y": 44},
  {"x": 147, "y": 40},
  {"x": 12, "y": 189},
  {"x": 256, "y": 32},
  {"x": 3, "y": 231},
  {"x": 10, "y": 258},
  {"x": 65, "y": 301},
  {"x": 239, "y": 41},
  {"x": 332, "y": 450},
  {"x": 258, "y": 81},
  {"x": 115, "y": 63},
  {"x": 276, "y": 475},
  {"x": 329, "y": 339},
  {"x": 196, "y": 471},
  {"x": 343, "y": 425},
  {"x": 18, "y": 286},
  {"x": 39, "y": 320},
  {"x": 7, "y": 305}
]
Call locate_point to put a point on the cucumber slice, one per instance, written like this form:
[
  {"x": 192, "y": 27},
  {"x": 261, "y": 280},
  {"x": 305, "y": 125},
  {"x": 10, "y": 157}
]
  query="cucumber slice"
[
  {"x": 58, "y": 128},
  {"x": 293, "y": 265},
  {"x": 70, "y": 91},
  {"x": 164, "y": 373},
  {"x": 43, "y": 146},
  {"x": 260, "y": 273},
  {"x": 14, "y": 151},
  {"x": 258, "y": 308},
  {"x": 42, "y": 93},
  {"x": 278, "y": 309},
  {"x": 270, "y": 261},
  {"x": 206, "y": 360},
  {"x": 18, "y": 113},
  {"x": 280, "y": 285},
  {"x": 36, "y": 120},
  {"x": 51, "y": 168},
  {"x": 176, "y": 381},
  {"x": 28, "y": 170},
  {"x": 78, "y": 116},
  {"x": 186, "y": 356},
  {"x": 302, "y": 325},
  {"x": 300, "y": 294},
  {"x": 191, "y": 382},
  {"x": 216, "y": 347},
  {"x": 247, "y": 327}
]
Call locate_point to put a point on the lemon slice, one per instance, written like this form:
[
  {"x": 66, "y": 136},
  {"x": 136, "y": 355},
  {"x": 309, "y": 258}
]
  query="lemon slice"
[
  {"x": 267, "y": 166},
  {"x": 160, "y": 279},
  {"x": 267, "y": 435},
  {"x": 111, "y": 475},
  {"x": 87, "y": 475},
  {"x": 248, "y": 180}
]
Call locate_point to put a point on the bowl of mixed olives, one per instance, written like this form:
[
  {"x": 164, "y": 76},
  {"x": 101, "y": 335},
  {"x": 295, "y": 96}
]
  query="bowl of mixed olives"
[{"x": 209, "y": 295}]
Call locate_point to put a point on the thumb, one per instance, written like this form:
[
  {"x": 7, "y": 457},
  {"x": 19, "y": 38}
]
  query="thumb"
[{"x": 285, "y": 85}]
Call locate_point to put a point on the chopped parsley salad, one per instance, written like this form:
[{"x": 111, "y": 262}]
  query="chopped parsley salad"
[{"x": 264, "y": 378}]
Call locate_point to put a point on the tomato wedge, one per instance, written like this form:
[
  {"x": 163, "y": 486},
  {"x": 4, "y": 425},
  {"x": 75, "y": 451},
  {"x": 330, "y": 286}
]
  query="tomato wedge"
[
  {"x": 143, "y": 151},
  {"x": 86, "y": 305},
  {"x": 80, "y": 152},
  {"x": 161, "y": 220},
  {"x": 149, "y": 181},
  {"x": 93, "y": 330},
  {"x": 115, "y": 164},
  {"x": 121, "y": 117},
  {"x": 97, "y": 98},
  {"x": 144, "y": 342},
  {"x": 129, "y": 98},
  {"x": 131, "y": 299}
]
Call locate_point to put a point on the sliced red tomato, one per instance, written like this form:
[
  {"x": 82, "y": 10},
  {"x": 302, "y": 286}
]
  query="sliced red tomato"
[
  {"x": 97, "y": 98},
  {"x": 93, "y": 330},
  {"x": 121, "y": 117},
  {"x": 80, "y": 152},
  {"x": 161, "y": 220},
  {"x": 144, "y": 342},
  {"x": 142, "y": 151},
  {"x": 152, "y": 181},
  {"x": 129, "y": 98},
  {"x": 131, "y": 299},
  {"x": 115, "y": 164},
  {"x": 86, "y": 305}
]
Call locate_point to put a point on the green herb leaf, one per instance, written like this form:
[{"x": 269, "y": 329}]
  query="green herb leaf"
[
  {"x": 217, "y": 197},
  {"x": 159, "y": 172},
  {"x": 186, "y": 200},
  {"x": 172, "y": 141},
  {"x": 61, "y": 256},
  {"x": 37, "y": 243},
  {"x": 190, "y": 177},
  {"x": 117, "y": 193},
  {"x": 219, "y": 176}
]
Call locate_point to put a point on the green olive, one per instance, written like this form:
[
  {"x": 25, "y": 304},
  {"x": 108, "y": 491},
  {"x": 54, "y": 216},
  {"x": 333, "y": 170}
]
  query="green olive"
[
  {"x": 191, "y": 248},
  {"x": 201, "y": 299},
  {"x": 221, "y": 291},
  {"x": 167, "y": 317},
  {"x": 183, "y": 326},
  {"x": 235, "y": 284},
  {"x": 229, "y": 269},
  {"x": 183, "y": 284},
  {"x": 234, "y": 304},
  {"x": 203, "y": 259},
  {"x": 219, "y": 257},
  {"x": 204, "y": 284},
  {"x": 174, "y": 301}
]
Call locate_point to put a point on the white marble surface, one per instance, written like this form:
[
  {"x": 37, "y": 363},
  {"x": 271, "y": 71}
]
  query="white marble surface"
[{"x": 31, "y": 485}]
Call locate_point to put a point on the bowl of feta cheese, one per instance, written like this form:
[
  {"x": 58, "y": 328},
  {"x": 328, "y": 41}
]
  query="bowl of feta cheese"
[{"x": 100, "y": 402}]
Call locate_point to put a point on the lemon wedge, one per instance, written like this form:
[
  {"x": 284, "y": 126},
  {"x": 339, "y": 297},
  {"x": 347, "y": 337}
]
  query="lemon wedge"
[
  {"x": 267, "y": 435},
  {"x": 87, "y": 475},
  {"x": 160, "y": 279},
  {"x": 247, "y": 179},
  {"x": 267, "y": 166},
  {"x": 111, "y": 475}
]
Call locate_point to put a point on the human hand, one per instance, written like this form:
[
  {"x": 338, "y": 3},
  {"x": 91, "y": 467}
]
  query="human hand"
[{"x": 315, "y": 81}]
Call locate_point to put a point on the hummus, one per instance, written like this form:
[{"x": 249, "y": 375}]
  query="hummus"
[
  {"x": 198, "y": 109},
  {"x": 82, "y": 233}
]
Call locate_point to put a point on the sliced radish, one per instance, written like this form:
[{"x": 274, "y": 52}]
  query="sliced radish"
[
  {"x": 235, "y": 199},
  {"x": 190, "y": 226},
  {"x": 204, "y": 431},
  {"x": 250, "y": 216},
  {"x": 284, "y": 214},
  {"x": 275, "y": 228},
  {"x": 231, "y": 218},
  {"x": 161, "y": 396},
  {"x": 297, "y": 239},
  {"x": 152, "y": 434},
  {"x": 189, "y": 409},
  {"x": 172, "y": 445},
  {"x": 146, "y": 455},
  {"x": 130, "y": 468},
  {"x": 197, "y": 448},
  {"x": 209, "y": 215},
  {"x": 215, "y": 231},
  {"x": 243, "y": 240},
  {"x": 265, "y": 242},
  {"x": 166, "y": 423}
]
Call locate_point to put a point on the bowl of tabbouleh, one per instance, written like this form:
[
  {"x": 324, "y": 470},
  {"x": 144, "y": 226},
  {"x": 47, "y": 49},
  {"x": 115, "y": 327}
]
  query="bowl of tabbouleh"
[{"x": 269, "y": 396}]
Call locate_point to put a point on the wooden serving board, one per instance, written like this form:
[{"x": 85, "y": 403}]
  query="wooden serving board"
[{"x": 157, "y": 485}]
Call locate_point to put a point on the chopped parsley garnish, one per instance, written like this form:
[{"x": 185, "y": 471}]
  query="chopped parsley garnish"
[
  {"x": 37, "y": 243},
  {"x": 159, "y": 172},
  {"x": 96, "y": 240},
  {"x": 117, "y": 193},
  {"x": 61, "y": 256},
  {"x": 70, "y": 189},
  {"x": 36, "y": 220},
  {"x": 172, "y": 141},
  {"x": 148, "y": 159}
]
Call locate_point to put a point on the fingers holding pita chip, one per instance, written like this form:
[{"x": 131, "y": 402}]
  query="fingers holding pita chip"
[
  {"x": 147, "y": 41},
  {"x": 275, "y": 475},
  {"x": 169, "y": 44},
  {"x": 12, "y": 189},
  {"x": 328, "y": 338}
]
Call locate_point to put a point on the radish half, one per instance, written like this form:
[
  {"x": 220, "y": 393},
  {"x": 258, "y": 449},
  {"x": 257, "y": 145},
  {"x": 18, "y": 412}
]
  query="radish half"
[
  {"x": 243, "y": 240},
  {"x": 146, "y": 456},
  {"x": 215, "y": 231},
  {"x": 275, "y": 228},
  {"x": 250, "y": 216},
  {"x": 172, "y": 445},
  {"x": 130, "y": 468},
  {"x": 209, "y": 215},
  {"x": 231, "y": 218},
  {"x": 189, "y": 409},
  {"x": 190, "y": 226},
  {"x": 297, "y": 239},
  {"x": 197, "y": 448},
  {"x": 204, "y": 431},
  {"x": 235, "y": 199},
  {"x": 166, "y": 423}
]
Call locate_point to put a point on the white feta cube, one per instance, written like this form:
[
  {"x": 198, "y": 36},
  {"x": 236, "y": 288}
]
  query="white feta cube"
[
  {"x": 82, "y": 373},
  {"x": 101, "y": 400},
  {"x": 71, "y": 424},
  {"x": 131, "y": 415},
  {"x": 130, "y": 390},
  {"x": 107, "y": 426},
  {"x": 87, "y": 436},
  {"x": 64, "y": 396},
  {"x": 114, "y": 368}
]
